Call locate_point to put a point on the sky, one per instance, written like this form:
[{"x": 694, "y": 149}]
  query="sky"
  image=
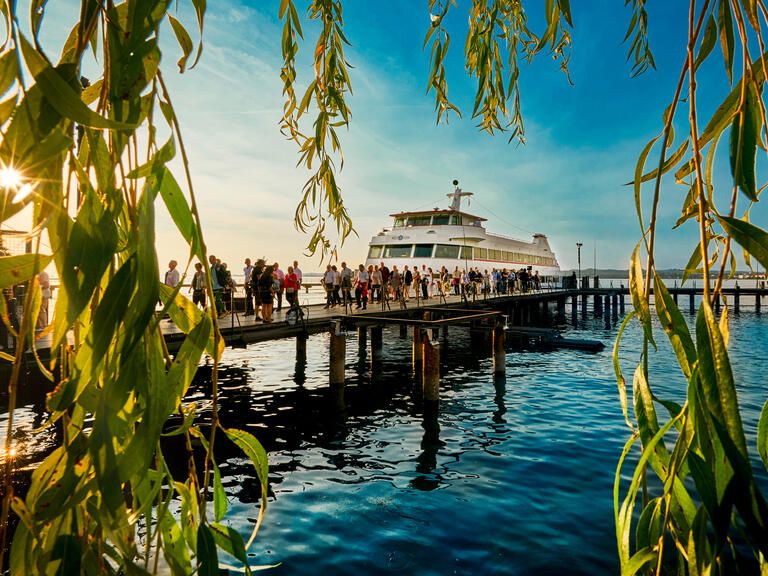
[{"x": 568, "y": 181}]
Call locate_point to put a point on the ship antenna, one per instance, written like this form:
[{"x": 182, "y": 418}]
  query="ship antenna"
[{"x": 456, "y": 196}]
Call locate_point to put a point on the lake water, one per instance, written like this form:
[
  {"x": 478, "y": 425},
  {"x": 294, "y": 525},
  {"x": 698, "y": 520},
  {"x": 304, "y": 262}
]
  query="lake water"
[
  {"x": 512, "y": 476},
  {"x": 508, "y": 477}
]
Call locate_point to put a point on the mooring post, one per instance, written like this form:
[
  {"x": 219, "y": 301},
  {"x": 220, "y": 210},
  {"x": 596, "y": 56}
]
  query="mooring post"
[
  {"x": 615, "y": 305},
  {"x": 403, "y": 331},
  {"x": 362, "y": 339},
  {"x": 583, "y": 305},
  {"x": 431, "y": 375},
  {"x": 574, "y": 305},
  {"x": 418, "y": 349},
  {"x": 338, "y": 353},
  {"x": 717, "y": 303},
  {"x": 499, "y": 353},
  {"x": 301, "y": 346},
  {"x": 561, "y": 309},
  {"x": 377, "y": 343},
  {"x": 598, "y": 306},
  {"x": 758, "y": 297},
  {"x": 607, "y": 309},
  {"x": 691, "y": 305},
  {"x": 736, "y": 298},
  {"x": 445, "y": 332}
]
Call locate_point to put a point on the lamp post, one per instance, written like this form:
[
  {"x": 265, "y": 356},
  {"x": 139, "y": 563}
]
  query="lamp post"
[{"x": 578, "y": 256}]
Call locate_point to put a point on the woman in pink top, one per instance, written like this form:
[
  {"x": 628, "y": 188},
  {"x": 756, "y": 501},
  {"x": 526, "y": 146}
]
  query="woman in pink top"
[{"x": 291, "y": 285}]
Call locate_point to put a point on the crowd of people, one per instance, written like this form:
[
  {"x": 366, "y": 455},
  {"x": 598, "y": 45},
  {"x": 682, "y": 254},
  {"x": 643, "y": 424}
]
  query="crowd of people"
[
  {"x": 264, "y": 284},
  {"x": 379, "y": 281},
  {"x": 267, "y": 284}
]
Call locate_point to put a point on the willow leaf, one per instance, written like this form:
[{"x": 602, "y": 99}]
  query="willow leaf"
[
  {"x": 750, "y": 237},
  {"x": 707, "y": 43},
  {"x": 207, "y": 555},
  {"x": 745, "y": 131},
  {"x": 639, "y": 297},
  {"x": 61, "y": 95},
  {"x": 182, "y": 36},
  {"x": 17, "y": 269},
  {"x": 638, "y": 560},
  {"x": 725, "y": 24},
  {"x": 669, "y": 163},
  {"x": 674, "y": 325},
  {"x": 620, "y": 380},
  {"x": 762, "y": 435},
  {"x": 229, "y": 540}
]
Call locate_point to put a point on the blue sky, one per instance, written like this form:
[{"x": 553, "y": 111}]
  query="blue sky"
[{"x": 567, "y": 181}]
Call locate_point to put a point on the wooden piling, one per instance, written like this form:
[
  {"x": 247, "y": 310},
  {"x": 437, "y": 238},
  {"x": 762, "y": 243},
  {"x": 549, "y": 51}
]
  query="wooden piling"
[
  {"x": 615, "y": 305},
  {"x": 403, "y": 331},
  {"x": 717, "y": 303},
  {"x": 607, "y": 309},
  {"x": 583, "y": 305},
  {"x": 431, "y": 374},
  {"x": 621, "y": 301},
  {"x": 561, "y": 309},
  {"x": 598, "y": 306},
  {"x": 301, "y": 346},
  {"x": 691, "y": 305},
  {"x": 362, "y": 338},
  {"x": 499, "y": 352},
  {"x": 758, "y": 298},
  {"x": 338, "y": 354},
  {"x": 736, "y": 299},
  {"x": 377, "y": 343}
]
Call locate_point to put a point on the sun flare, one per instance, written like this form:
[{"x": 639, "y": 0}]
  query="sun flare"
[{"x": 9, "y": 177}]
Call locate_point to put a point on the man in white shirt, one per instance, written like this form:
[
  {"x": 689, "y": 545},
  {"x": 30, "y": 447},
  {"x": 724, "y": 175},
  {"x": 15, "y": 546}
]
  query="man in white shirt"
[
  {"x": 172, "y": 276},
  {"x": 297, "y": 272},
  {"x": 279, "y": 275},
  {"x": 361, "y": 290}
]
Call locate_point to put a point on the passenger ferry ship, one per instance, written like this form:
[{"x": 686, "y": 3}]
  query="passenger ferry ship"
[{"x": 454, "y": 238}]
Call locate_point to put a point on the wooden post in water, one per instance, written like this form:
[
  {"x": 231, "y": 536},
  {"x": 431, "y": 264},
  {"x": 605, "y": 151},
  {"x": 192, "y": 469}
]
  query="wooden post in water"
[
  {"x": 621, "y": 300},
  {"x": 338, "y": 354},
  {"x": 301, "y": 346},
  {"x": 598, "y": 306},
  {"x": 499, "y": 353},
  {"x": 583, "y": 305},
  {"x": 377, "y": 344},
  {"x": 717, "y": 303},
  {"x": 758, "y": 297},
  {"x": 691, "y": 304},
  {"x": 674, "y": 297},
  {"x": 574, "y": 305},
  {"x": 615, "y": 305},
  {"x": 736, "y": 298},
  {"x": 403, "y": 331},
  {"x": 418, "y": 349},
  {"x": 607, "y": 309},
  {"x": 431, "y": 374},
  {"x": 362, "y": 339},
  {"x": 561, "y": 310}
]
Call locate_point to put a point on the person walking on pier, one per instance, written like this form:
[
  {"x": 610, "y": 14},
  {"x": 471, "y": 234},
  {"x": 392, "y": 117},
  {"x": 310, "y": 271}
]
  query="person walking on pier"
[
  {"x": 407, "y": 281},
  {"x": 291, "y": 284},
  {"x": 279, "y": 277},
  {"x": 172, "y": 275},
  {"x": 248, "y": 290},
  {"x": 395, "y": 283},
  {"x": 328, "y": 279},
  {"x": 336, "y": 286},
  {"x": 298, "y": 273},
  {"x": 218, "y": 288},
  {"x": 266, "y": 293},
  {"x": 346, "y": 283},
  {"x": 376, "y": 283},
  {"x": 198, "y": 286},
  {"x": 258, "y": 270},
  {"x": 361, "y": 287}
]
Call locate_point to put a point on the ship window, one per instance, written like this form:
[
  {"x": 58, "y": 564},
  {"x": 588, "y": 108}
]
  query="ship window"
[
  {"x": 375, "y": 251},
  {"x": 398, "y": 251},
  {"x": 419, "y": 220},
  {"x": 423, "y": 251},
  {"x": 446, "y": 251},
  {"x": 454, "y": 220},
  {"x": 494, "y": 255},
  {"x": 481, "y": 253},
  {"x": 399, "y": 222},
  {"x": 506, "y": 256},
  {"x": 466, "y": 253},
  {"x": 440, "y": 220}
]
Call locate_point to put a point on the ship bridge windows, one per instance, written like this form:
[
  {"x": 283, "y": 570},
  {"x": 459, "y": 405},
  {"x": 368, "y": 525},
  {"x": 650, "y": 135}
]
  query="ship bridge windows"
[
  {"x": 423, "y": 251},
  {"x": 481, "y": 253},
  {"x": 440, "y": 219},
  {"x": 399, "y": 222},
  {"x": 446, "y": 251},
  {"x": 375, "y": 251},
  {"x": 398, "y": 251},
  {"x": 466, "y": 253},
  {"x": 419, "y": 220}
]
